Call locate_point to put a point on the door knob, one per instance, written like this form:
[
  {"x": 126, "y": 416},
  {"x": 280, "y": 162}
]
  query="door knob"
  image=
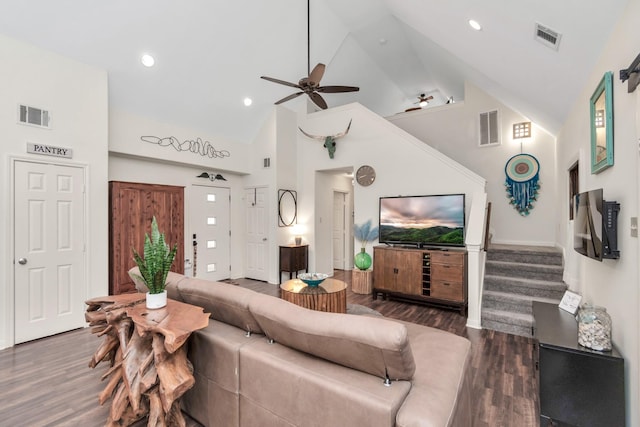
[{"x": 22, "y": 261}]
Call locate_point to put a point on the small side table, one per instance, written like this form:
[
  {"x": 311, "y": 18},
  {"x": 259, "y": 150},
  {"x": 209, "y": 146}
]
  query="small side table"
[
  {"x": 293, "y": 258},
  {"x": 361, "y": 281},
  {"x": 150, "y": 370},
  {"x": 330, "y": 295}
]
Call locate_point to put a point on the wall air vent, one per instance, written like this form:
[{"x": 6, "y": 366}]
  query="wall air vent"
[
  {"x": 547, "y": 36},
  {"x": 489, "y": 129},
  {"x": 33, "y": 116}
]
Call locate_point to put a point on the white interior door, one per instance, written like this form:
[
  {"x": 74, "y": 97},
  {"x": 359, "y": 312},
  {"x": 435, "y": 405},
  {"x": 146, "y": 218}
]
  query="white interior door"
[
  {"x": 209, "y": 212},
  {"x": 49, "y": 266},
  {"x": 339, "y": 230},
  {"x": 257, "y": 207}
]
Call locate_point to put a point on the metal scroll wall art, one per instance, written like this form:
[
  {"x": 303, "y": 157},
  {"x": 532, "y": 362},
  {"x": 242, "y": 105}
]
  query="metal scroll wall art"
[
  {"x": 197, "y": 146},
  {"x": 523, "y": 182}
]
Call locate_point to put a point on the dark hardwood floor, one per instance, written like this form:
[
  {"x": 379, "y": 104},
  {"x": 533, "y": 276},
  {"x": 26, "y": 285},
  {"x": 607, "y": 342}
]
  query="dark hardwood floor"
[{"x": 47, "y": 382}]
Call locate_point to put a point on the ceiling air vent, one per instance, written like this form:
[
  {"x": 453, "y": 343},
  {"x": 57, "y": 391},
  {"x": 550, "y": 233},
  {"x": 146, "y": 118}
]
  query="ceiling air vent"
[{"x": 547, "y": 36}]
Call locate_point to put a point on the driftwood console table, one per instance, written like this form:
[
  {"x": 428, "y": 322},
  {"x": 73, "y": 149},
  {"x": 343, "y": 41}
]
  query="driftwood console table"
[{"x": 149, "y": 367}]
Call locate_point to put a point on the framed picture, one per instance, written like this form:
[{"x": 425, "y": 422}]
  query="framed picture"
[
  {"x": 601, "y": 107},
  {"x": 570, "y": 302}
]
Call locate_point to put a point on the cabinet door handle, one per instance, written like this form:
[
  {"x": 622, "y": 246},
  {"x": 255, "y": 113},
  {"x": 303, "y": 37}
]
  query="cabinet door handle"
[{"x": 446, "y": 284}]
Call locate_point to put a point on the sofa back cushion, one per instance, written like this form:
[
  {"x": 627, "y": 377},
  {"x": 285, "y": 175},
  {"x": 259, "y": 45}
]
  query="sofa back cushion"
[
  {"x": 226, "y": 303},
  {"x": 369, "y": 344}
]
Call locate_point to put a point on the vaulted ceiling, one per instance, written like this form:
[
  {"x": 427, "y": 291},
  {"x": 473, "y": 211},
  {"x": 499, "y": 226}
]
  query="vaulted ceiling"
[{"x": 210, "y": 54}]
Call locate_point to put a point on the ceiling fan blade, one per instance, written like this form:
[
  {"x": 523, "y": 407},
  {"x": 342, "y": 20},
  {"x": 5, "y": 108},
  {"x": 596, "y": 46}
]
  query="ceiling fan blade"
[
  {"x": 337, "y": 89},
  {"x": 316, "y": 74},
  {"x": 290, "y": 97},
  {"x": 282, "y": 82},
  {"x": 317, "y": 99}
]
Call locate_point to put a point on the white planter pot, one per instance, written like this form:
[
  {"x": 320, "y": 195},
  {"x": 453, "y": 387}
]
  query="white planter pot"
[{"x": 157, "y": 300}]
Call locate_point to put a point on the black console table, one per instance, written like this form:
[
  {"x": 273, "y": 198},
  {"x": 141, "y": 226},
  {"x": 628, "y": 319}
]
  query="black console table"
[
  {"x": 293, "y": 258},
  {"x": 578, "y": 386}
]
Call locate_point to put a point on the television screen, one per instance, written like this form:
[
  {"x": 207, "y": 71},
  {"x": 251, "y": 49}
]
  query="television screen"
[
  {"x": 436, "y": 220},
  {"x": 587, "y": 225}
]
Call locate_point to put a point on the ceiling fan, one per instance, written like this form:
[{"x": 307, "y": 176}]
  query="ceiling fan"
[
  {"x": 311, "y": 84},
  {"x": 423, "y": 101}
]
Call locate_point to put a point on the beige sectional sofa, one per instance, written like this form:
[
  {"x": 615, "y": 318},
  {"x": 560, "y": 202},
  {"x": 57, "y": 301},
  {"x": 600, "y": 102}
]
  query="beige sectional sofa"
[{"x": 263, "y": 361}]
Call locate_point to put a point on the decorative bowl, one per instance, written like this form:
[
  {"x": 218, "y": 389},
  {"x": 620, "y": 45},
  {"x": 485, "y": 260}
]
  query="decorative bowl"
[{"x": 312, "y": 279}]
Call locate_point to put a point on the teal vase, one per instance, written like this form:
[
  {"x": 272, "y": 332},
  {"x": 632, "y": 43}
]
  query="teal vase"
[{"x": 362, "y": 260}]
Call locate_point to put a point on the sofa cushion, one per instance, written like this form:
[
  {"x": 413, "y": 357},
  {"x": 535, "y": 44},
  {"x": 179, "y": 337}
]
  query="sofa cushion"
[
  {"x": 373, "y": 345},
  {"x": 215, "y": 355},
  {"x": 226, "y": 303},
  {"x": 281, "y": 386},
  {"x": 442, "y": 382}
]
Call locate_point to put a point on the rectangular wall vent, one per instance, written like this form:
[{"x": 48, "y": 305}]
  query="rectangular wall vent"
[
  {"x": 33, "y": 116},
  {"x": 547, "y": 36},
  {"x": 489, "y": 129}
]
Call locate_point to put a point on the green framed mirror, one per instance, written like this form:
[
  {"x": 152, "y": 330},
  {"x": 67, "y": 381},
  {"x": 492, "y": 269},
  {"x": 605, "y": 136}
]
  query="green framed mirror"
[{"x": 601, "y": 106}]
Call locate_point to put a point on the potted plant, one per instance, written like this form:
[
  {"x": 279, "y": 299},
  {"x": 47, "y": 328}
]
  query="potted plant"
[
  {"x": 155, "y": 265},
  {"x": 365, "y": 234}
]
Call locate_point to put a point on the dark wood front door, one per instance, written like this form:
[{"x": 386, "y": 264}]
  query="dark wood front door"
[{"x": 131, "y": 208}]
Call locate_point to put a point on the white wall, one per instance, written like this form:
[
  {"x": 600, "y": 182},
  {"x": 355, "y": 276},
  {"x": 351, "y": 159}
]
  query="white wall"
[
  {"x": 126, "y": 130},
  {"x": 453, "y": 129},
  {"x": 611, "y": 283},
  {"x": 76, "y": 95},
  {"x": 404, "y": 166}
]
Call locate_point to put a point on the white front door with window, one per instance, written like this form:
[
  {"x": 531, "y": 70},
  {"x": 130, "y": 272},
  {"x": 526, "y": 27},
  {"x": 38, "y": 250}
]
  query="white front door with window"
[
  {"x": 49, "y": 264},
  {"x": 210, "y": 223}
]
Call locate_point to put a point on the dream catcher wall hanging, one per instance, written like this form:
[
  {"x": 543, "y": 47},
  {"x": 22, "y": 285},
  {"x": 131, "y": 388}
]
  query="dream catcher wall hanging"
[{"x": 523, "y": 182}]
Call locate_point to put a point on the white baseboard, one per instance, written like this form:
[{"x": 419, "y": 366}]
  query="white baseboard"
[{"x": 473, "y": 324}]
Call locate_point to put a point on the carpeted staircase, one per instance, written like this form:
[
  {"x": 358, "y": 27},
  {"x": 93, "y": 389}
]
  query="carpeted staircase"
[{"x": 514, "y": 277}]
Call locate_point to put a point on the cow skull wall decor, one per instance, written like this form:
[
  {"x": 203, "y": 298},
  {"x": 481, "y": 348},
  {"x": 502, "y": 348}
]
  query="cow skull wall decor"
[{"x": 330, "y": 140}]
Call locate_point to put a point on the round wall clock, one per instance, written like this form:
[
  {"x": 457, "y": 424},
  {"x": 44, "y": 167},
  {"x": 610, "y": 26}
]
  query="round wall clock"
[{"x": 365, "y": 175}]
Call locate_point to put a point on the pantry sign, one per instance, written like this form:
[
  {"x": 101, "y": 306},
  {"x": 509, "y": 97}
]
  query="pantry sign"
[{"x": 49, "y": 150}]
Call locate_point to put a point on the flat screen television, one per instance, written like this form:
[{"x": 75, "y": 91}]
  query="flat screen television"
[
  {"x": 595, "y": 226},
  {"x": 431, "y": 220}
]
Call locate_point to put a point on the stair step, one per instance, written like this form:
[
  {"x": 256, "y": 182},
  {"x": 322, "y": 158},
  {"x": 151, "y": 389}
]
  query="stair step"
[
  {"x": 529, "y": 254},
  {"x": 521, "y": 269},
  {"x": 515, "y": 276},
  {"x": 509, "y": 322},
  {"x": 507, "y": 301},
  {"x": 530, "y": 287}
]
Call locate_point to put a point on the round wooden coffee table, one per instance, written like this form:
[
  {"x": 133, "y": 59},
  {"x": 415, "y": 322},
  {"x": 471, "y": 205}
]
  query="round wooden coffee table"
[{"x": 330, "y": 295}]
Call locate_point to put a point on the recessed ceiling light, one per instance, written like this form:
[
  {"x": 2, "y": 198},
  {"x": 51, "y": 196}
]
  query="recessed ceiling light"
[
  {"x": 147, "y": 60},
  {"x": 248, "y": 101},
  {"x": 475, "y": 25},
  {"x": 382, "y": 40}
]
